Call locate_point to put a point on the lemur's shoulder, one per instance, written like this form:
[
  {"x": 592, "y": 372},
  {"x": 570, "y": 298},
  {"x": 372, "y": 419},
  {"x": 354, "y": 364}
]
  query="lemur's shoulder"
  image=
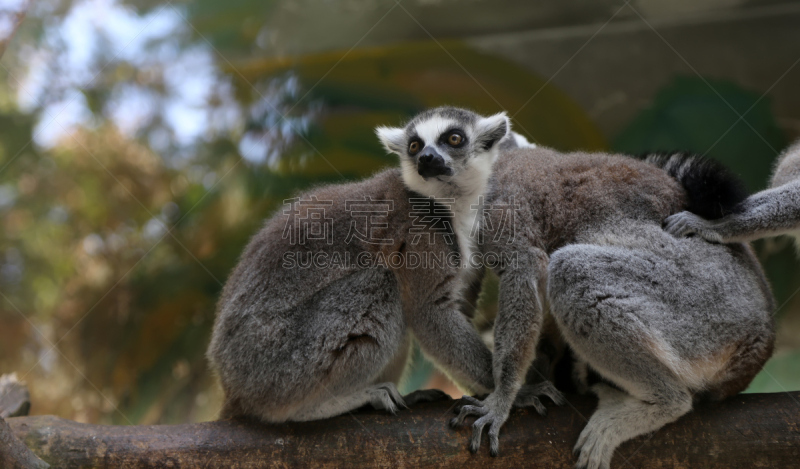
[{"x": 787, "y": 166}]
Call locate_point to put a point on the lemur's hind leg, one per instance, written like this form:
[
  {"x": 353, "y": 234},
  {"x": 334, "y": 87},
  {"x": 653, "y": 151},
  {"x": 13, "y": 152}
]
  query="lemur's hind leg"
[
  {"x": 383, "y": 396},
  {"x": 393, "y": 373},
  {"x": 602, "y": 320},
  {"x": 620, "y": 417},
  {"x": 325, "y": 358}
]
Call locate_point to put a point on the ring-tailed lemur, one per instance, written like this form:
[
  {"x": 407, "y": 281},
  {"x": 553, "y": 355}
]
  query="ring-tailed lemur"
[
  {"x": 314, "y": 320},
  {"x": 664, "y": 319},
  {"x": 771, "y": 212}
]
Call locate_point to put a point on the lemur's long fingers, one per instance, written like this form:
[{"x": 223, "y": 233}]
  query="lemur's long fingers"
[
  {"x": 675, "y": 229},
  {"x": 395, "y": 395},
  {"x": 555, "y": 395},
  {"x": 536, "y": 403},
  {"x": 466, "y": 411},
  {"x": 477, "y": 431},
  {"x": 494, "y": 437},
  {"x": 680, "y": 224},
  {"x": 469, "y": 400},
  {"x": 584, "y": 436}
]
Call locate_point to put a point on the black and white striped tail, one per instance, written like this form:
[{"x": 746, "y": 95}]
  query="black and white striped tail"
[{"x": 712, "y": 189}]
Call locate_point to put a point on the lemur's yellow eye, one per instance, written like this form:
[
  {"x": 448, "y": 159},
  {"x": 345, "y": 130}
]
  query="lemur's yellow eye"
[
  {"x": 455, "y": 139},
  {"x": 413, "y": 147}
]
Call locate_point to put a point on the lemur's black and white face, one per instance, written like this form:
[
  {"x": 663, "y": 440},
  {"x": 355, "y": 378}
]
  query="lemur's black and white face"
[{"x": 445, "y": 145}]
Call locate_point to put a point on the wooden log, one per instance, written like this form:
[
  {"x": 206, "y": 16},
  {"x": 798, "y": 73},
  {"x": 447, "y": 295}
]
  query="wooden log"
[
  {"x": 14, "y": 454},
  {"x": 746, "y": 431},
  {"x": 15, "y": 400}
]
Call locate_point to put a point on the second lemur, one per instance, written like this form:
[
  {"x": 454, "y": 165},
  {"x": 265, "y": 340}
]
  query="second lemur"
[
  {"x": 771, "y": 212},
  {"x": 662, "y": 320}
]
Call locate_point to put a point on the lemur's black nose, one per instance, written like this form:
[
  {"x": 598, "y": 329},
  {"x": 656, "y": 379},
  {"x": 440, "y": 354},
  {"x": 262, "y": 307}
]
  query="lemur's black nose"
[{"x": 431, "y": 164}]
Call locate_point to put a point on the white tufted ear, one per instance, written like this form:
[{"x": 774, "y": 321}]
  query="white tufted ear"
[
  {"x": 489, "y": 130},
  {"x": 392, "y": 138}
]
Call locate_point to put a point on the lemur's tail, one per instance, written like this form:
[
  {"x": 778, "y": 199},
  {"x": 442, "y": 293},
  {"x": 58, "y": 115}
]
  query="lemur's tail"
[{"x": 712, "y": 189}]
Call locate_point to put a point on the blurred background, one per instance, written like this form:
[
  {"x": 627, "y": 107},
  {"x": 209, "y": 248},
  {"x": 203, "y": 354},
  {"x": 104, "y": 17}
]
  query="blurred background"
[{"x": 143, "y": 142}]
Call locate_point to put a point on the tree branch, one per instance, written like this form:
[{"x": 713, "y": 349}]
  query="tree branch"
[
  {"x": 14, "y": 454},
  {"x": 755, "y": 430}
]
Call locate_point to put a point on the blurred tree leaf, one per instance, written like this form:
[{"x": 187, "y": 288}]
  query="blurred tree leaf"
[{"x": 691, "y": 115}]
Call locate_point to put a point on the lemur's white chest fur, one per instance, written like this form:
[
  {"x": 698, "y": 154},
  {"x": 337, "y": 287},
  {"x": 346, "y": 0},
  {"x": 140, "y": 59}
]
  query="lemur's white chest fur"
[
  {"x": 448, "y": 153},
  {"x": 462, "y": 193},
  {"x": 462, "y": 197}
]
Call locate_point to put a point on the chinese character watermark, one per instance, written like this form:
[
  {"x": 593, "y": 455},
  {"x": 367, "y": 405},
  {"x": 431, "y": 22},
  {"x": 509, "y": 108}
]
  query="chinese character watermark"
[{"x": 307, "y": 220}]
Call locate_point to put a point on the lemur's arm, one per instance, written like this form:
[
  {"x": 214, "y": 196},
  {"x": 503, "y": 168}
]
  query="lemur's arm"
[
  {"x": 519, "y": 321},
  {"x": 771, "y": 212},
  {"x": 450, "y": 340}
]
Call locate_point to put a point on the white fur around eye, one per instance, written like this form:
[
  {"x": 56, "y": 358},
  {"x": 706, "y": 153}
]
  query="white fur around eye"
[{"x": 430, "y": 130}]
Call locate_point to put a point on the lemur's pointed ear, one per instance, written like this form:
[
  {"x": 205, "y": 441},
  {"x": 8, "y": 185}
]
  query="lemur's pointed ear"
[
  {"x": 491, "y": 129},
  {"x": 392, "y": 138}
]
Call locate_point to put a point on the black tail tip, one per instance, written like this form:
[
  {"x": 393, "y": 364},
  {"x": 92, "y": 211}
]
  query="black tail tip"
[{"x": 712, "y": 189}]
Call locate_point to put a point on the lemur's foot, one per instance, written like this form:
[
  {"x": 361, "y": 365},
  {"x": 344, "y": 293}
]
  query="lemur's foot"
[
  {"x": 528, "y": 396},
  {"x": 425, "y": 395},
  {"x": 489, "y": 412},
  {"x": 687, "y": 223},
  {"x": 593, "y": 449},
  {"x": 385, "y": 396}
]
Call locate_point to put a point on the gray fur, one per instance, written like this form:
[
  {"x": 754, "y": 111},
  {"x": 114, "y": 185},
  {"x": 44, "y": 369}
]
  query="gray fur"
[
  {"x": 307, "y": 343},
  {"x": 665, "y": 319},
  {"x": 772, "y": 212},
  {"x": 310, "y": 343}
]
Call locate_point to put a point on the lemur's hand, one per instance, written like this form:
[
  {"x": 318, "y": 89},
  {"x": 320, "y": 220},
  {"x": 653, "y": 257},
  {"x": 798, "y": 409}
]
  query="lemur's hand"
[
  {"x": 528, "y": 396},
  {"x": 687, "y": 223},
  {"x": 489, "y": 412}
]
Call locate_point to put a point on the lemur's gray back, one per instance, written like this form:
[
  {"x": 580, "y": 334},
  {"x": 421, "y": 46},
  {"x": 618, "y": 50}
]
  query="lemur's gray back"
[{"x": 589, "y": 190}]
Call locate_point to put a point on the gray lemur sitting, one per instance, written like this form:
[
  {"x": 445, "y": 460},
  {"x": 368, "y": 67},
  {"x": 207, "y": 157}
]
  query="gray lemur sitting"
[
  {"x": 314, "y": 321},
  {"x": 772, "y": 212},
  {"x": 663, "y": 320}
]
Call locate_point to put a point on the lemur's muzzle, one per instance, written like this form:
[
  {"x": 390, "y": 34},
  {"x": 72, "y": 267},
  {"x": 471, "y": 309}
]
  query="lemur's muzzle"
[{"x": 431, "y": 164}]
